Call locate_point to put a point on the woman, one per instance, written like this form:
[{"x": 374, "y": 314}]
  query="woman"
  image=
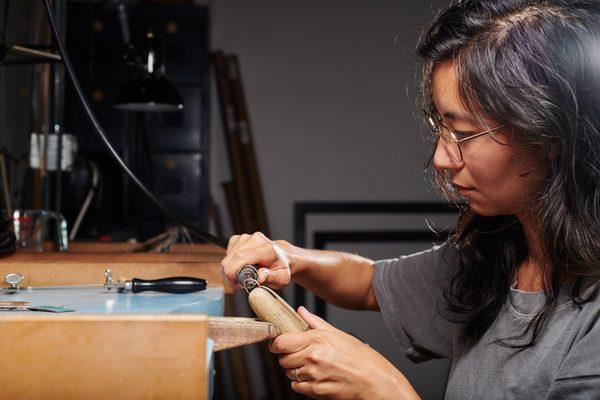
[{"x": 512, "y": 89}]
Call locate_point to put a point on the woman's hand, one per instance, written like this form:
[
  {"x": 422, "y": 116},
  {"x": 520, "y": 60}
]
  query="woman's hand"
[
  {"x": 270, "y": 256},
  {"x": 326, "y": 363}
]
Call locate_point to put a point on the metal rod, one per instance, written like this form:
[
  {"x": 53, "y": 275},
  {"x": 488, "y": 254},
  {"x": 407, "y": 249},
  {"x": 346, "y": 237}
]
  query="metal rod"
[
  {"x": 57, "y": 112},
  {"x": 33, "y": 53},
  {"x": 29, "y": 61}
]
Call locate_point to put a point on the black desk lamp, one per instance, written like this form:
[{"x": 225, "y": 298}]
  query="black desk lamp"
[{"x": 150, "y": 90}]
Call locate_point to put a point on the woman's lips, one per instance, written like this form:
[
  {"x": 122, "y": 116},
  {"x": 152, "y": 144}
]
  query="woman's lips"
[{"x": 461, "y": 189}]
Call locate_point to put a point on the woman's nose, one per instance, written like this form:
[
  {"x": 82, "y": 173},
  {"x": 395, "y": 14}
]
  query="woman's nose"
[{"x": 442, "y": 159}]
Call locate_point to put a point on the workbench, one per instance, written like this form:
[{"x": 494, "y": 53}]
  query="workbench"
[
  {"x": 99, "y": 301},
  {"x": 166, "y": 333}
]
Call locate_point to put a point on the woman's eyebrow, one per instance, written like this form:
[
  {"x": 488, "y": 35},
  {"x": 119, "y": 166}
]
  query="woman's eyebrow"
[{"x": 459, "y": 116}]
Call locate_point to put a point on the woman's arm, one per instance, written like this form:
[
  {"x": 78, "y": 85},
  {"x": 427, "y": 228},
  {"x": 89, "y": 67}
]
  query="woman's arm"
[{"x": 341, "y": 279}]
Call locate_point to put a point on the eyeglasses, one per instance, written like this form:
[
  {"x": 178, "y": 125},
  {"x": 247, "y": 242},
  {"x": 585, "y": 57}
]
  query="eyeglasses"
[{"x": 453, "y": 139}]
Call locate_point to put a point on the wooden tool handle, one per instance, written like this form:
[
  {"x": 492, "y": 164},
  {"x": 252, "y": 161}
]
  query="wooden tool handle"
[
  {"x": 270, "y": 307},
  {"x": 230, "y": 332}
]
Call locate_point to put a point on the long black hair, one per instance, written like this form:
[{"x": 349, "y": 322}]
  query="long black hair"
[{"x": 532, "y": 66}]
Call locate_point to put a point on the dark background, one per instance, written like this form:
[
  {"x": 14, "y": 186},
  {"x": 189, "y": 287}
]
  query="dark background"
[{"x": 167, "y": 150}]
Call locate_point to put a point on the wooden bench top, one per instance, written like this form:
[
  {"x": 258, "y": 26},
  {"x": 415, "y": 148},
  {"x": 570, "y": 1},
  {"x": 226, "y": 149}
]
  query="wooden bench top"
[
  {"x": 57, "y": 256},
  {"x": 64, "y": 273}
]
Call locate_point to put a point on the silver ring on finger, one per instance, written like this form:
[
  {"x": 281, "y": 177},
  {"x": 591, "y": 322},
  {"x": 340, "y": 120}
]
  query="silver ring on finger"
[{"x": 297, "y": 375}]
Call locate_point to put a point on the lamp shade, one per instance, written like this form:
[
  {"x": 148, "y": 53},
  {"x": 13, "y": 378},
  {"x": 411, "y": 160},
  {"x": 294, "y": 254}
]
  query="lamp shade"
[{"x": 149, "y": 93}]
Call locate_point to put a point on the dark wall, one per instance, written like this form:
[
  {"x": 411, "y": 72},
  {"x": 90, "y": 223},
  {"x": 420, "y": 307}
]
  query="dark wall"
[
  {"x": 169, "y": 151},
  {"x": 20, "y": 22}
]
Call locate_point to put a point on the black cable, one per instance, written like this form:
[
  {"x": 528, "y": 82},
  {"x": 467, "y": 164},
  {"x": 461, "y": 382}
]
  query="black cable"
[
  {"x": 15, "y": 159},
  {"x": 5, "y": 20},
  {"x": 100, "y": 131}
]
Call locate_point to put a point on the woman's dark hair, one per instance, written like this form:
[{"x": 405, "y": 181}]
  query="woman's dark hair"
[{"x": 532, "y": 66}]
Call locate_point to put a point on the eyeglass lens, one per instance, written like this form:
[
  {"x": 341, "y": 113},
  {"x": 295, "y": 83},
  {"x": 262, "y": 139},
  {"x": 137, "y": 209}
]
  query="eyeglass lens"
[{"x": 442, "y": 132}]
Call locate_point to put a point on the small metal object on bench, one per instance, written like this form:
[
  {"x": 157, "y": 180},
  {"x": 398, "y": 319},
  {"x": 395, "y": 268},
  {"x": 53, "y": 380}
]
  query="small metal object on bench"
[{"x": 14, "y": 280}]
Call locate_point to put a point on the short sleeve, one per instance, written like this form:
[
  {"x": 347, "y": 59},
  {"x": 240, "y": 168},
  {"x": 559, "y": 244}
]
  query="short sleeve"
[
  {"x": 409, "y": 291},
  {"x": 579, "y": 374}
]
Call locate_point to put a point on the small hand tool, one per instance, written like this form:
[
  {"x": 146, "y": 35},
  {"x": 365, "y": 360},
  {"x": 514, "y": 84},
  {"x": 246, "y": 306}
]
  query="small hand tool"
[
  {"x": 231, "y": 332},
  {"x": 176, "y": 284},
  {"x": 247, "y": 277},
  {"x": 267, "y": 304}
]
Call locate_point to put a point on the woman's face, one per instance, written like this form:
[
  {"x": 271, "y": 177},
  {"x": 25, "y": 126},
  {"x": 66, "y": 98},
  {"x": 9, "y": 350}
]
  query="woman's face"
[{"x": 488, "y": 175}]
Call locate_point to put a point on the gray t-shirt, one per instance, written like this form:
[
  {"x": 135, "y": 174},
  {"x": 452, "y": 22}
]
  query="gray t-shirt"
[{"x": 563, "y": 364}]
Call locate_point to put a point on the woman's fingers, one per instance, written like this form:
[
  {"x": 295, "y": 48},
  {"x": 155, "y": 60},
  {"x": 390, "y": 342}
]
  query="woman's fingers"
[
  {"x": 275, "y": 278},
  {"x": 258, "y": 250},
  {"x": 236, "y": 241},
  {"x": 295, "y": 360},
  {"x": 314, "y": 321},
  {"x": 263, "y": 275},
  {"x": 261, "y": 255},
  {"x": 291, "y": 374},
  {"x": 232, "y": 242},
  {"x": 300, "y": 374},
  {"x": 292, "y": 342},
  {"x": 239, "y": 242},
  {"x": 244, "y": 242},
  {"x": 301, "y": 387},
  {"x": 316, "y": 390},
  {"x": 326, "y": 363}
]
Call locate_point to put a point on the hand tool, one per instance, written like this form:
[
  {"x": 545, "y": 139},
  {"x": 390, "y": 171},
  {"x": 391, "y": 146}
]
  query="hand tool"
[
  {"x": 231, "y": 332},
  {"x": 175, "y": 285},
  {"x": 267, "y": 304}
]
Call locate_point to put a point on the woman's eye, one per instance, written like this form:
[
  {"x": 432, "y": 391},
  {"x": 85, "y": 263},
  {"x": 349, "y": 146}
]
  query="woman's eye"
[{"x": 462, "y": 135}]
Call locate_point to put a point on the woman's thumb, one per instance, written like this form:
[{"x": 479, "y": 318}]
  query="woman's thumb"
[{"x": 313, "y": 321}]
